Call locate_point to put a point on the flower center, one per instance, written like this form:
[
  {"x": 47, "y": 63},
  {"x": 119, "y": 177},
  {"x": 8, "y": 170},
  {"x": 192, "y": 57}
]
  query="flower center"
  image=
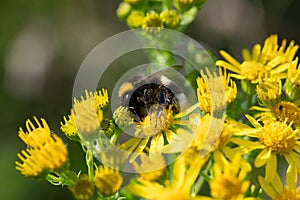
[
  {"x": 158, "y": 120},
  {"x": 252, "y": 69},
  {"x": 288, "y": 194},
  {"x": 224, "y": 187},
  {"x": 278, "y": 137},
  {"x": 152, "y": 23}
]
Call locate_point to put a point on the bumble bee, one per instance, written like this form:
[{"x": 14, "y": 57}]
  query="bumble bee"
[{"x": 143, "y": 92}]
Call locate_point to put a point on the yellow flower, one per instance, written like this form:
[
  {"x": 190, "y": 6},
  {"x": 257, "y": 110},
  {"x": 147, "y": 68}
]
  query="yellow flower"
[
  {"x": 153, "y": 128},
  {"x": 108, "y": 181},
  {"x": 152, "y": 23},
  {"x": 68, "y": 127},
  {"x": 274, "y": 138},
  {"x": 272, "y": 60},
  {"x": 212, "y": 86},
  {"x": 123, "y": 10},
  {"x": 83, "y": 189},
  {"x": 88, "y": 113},
  {"x": 135, "y": 19},
  {"x": 269, "y": 90},
  {"x": 46, "y": 151},
  {"x": 283, "y": 111},
  {"x": 292, "y": 84},
  {"x": 178, "y": 189},
  {"x": 205, "y": 131},
  {"x": 151, "y": 167},
  {"x": 170, "y": 18},
  {"x": 277, "y": 191},
  {"x": 229, "y": 179}
]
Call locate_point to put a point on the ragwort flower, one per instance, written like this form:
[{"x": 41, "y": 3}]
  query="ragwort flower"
[
  {"x": 277, "y": 191},
  {"x": 229, "y": 181},
  {"x": 107, "y": 180},
  {"x": 271, "y": 59},
  {"x": 86, "y": 115},
  {"x": 152, "y": 23},
  {"x": 292, "y": 84},
  {"x": 46, "y": 151},
  {"x": 283, "y": 111},
  {"x": 274, "y": 139}
]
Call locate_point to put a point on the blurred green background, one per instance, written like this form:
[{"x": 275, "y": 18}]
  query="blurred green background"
[{"x": 42, "y": 44}]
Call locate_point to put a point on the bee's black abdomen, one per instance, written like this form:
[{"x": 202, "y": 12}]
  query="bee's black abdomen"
[{"x": 150, "y": 94}]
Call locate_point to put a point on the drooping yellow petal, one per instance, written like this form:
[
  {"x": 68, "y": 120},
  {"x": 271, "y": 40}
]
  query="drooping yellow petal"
[
  {"x": 277, "y": 184},
  {"x": 291, "y": 176},
  {"x": 271, "y": 167},
  {"x": 262, "y": 158},
  {"x": 266, "y": 187}
]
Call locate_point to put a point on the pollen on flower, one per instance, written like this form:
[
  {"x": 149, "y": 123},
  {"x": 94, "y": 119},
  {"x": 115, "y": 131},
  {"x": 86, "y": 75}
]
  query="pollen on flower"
[
  {"x": 153, "y": 123},
  {"x": 108, "y": 181},
  {"x": 252, "y": 69},
  {"x": 152, "y": 23},
  {"x": 278, "y": 137}
]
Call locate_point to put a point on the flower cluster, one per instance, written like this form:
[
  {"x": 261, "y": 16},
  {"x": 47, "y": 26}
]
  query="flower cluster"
[
  {"x": 226, "y": 146},
  {"x": 152, "y": 15}
]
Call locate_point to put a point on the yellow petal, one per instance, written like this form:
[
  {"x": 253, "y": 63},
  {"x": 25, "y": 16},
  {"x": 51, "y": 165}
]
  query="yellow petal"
[
  {"x": 246, "y": 55},
  {"x": 277, "y": 183},
  {"x": 230, "y": 59},
  {"x": 293, "y": 158},
  {"x": 262, "y": 158},
  {"x": 228, "y": 66},
  {"x": 271, "y": 167},
  {"x": 266, "y": 187},
  {"x": 291, "y": 176},
  {"x": 253, "y": 121},
  {"x": 256, "y": 52}
]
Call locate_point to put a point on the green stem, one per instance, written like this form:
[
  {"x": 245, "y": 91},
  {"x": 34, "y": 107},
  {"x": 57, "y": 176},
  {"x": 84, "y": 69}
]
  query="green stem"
[
  {"x": 90, "y": 163},
  {"x": 204, "y": 177}
]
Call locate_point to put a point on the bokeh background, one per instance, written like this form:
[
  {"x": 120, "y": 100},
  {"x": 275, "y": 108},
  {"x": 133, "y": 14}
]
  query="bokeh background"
[{"x": 42, "y": 44}]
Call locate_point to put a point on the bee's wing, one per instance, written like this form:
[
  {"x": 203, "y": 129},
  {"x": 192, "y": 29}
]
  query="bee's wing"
[{"x": 168, "y": 72}]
